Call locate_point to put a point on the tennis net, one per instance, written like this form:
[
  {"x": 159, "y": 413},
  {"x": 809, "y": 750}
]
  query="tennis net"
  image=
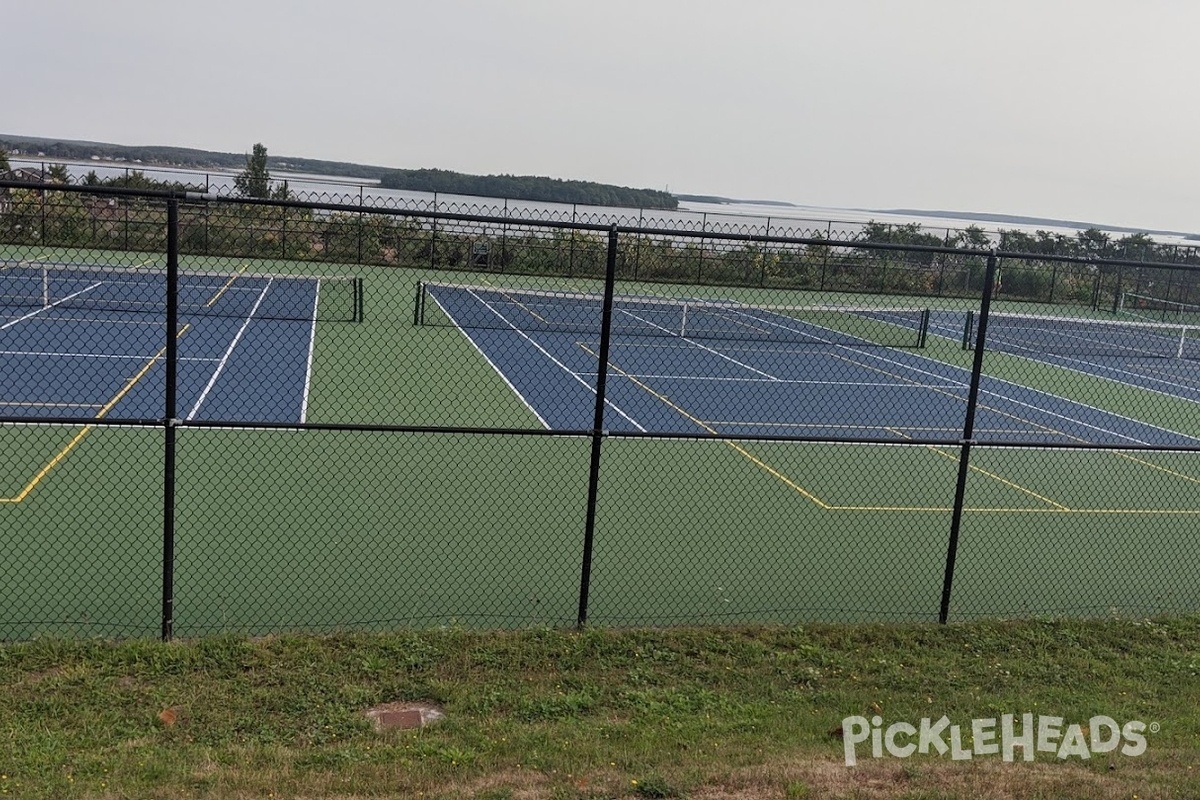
[
  {"x": 1030, "y": 334},
  {"x": 1158, "y": 310},
  {"x": 467, "y": 306},
  {"x": 217, "y": 294}
]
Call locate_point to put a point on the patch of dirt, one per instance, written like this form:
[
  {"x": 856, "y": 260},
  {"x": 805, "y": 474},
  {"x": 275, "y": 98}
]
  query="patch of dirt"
[{"x": 404, "y": 715}]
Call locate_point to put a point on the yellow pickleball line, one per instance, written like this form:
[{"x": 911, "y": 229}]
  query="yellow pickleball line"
[
  {"x": 66, "y": 451},
  {"x": 753, "y": 459},
  {"x": 213, "y": 300},
  {"x": 1056, "y": 508},
  {"x": 1000, "y": 479}
]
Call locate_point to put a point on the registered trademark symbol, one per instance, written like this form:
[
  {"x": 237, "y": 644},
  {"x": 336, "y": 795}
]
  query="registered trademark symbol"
[{"x": 1155, "y": 727}]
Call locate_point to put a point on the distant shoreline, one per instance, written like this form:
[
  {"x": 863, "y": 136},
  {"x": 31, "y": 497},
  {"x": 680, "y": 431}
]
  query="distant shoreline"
[
  {"x": 166, "y": 158},
  {"x": 1017, "y": 219}
]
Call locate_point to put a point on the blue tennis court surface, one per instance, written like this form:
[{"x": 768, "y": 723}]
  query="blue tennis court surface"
[
  {"x": 802, "y": 378},
  {"x": 86, "y": 342}
]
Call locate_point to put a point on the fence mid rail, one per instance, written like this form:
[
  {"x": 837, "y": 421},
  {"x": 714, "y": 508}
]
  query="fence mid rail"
[{"x": 223, "y": 414}]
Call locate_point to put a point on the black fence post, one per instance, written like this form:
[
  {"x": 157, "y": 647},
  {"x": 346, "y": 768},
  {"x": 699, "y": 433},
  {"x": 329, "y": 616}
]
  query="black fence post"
[
  {"x": 169, "y": 423},
  {"x": 504, "y": 240},
  {"x": 360, "y": 226},
  {"x": 433, "y": 236},
  {"x": 585, "y": 577},
  {"x": 637, "y": 247},
  {"x": 762, "y": 256},
  {"x": 207, "y": 190},
  {"x": 825, "y": 255},
  {"x": 942, "y": 258},
  {"x": 571, "y": 254},
  {"x": 964, "y": 460}
]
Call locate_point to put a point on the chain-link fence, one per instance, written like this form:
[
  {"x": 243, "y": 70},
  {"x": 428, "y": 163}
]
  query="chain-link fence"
[
  {"x": 1065, "y": 239},
  {"x": 229, "y": 414}
]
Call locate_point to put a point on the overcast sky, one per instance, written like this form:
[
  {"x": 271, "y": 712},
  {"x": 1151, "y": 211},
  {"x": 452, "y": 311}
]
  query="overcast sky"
[{"x": 1073, "y": 109}]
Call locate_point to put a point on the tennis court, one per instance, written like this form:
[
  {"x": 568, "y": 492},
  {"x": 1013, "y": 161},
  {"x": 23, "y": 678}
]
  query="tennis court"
[
  {"x": 85, "y": 341},
  {"x": 733, "y": 369}
]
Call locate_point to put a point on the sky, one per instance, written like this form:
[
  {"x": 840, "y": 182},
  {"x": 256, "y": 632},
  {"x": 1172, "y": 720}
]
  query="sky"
[{"x": 1080, "y": 110}]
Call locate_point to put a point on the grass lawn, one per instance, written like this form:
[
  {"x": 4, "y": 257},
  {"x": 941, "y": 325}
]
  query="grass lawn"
[{"x": 632, "y": 713}]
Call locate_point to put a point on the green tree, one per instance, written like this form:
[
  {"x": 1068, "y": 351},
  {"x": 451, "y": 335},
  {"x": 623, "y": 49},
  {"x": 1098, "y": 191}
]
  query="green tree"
[
  {"x": 254, "y": 180},
  {"x": 1093, "y": 242},
  {"x": 972, "y": 237},
  {"x": 1137, "y": 245},
  {"x": 4, "y": 166},
  {"x": 58, "y": 174}
]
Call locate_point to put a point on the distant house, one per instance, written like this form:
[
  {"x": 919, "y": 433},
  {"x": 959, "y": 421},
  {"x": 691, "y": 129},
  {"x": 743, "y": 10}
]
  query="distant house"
[
  {"x": 19, "y": 174},
  {"x": 27, "y": 175},
  {"x": 23, "y": 174}
]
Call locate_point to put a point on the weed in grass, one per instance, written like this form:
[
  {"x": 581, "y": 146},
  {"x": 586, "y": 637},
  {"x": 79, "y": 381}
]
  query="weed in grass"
[
  {"x": 503, "y": 793},
  {"x": 653, "y": 786}
]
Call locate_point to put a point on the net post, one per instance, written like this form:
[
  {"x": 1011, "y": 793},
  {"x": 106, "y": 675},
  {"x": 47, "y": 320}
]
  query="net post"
[
  {"x": 966, "y": 337},
  {"x": 585, "y": 576},
  {"x": 960, "y": 490},
  {"x": 923, "y": 331},
  {"x": 359, "y": 298},
  {"x": 418, "y": 311},
  {"x": 45, "y": 287},
  {"x": 169, "y": 422}
]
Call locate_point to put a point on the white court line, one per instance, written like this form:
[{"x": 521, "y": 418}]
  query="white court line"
[
  {"x": 40, "y": 404},
  {"x": 229, "y": 351},
  {"x": 707, "y": 349},
  {"x": 993, "y": 393},
  {"x": 1105, "y": 372},
  {"x": 822, "y": 425},
  {"x": 52, "y": 305},
  {"x": 785, "y": 381},
  {"x": 1031, "y": 406},
  {"x": 158, "y": 323},
  {"x": 97, "y": 356},
  {"x": 312, "y": 341},
  {"x": 1092, "y": 369},
  {"x": 492, "y": 364},
  {"x": 553, "y": 360}
]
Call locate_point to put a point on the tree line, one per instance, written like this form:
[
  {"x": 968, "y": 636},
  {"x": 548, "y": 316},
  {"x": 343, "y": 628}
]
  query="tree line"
[
  {"x": 527, "y": 187},
  {"x": 67, "y": 219},
  {"x": 186, "y": 157},
  {"x": 426, "y": 180}
]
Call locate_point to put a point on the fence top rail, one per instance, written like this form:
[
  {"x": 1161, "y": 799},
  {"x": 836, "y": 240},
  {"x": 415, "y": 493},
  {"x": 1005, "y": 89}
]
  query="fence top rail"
[{"x": 519, "y": 222}]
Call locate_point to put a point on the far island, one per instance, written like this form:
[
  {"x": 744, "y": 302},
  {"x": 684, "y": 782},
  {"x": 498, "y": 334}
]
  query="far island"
[
  {"x": 514, "y": 187},
  {"x": 526, "y": 187}
]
